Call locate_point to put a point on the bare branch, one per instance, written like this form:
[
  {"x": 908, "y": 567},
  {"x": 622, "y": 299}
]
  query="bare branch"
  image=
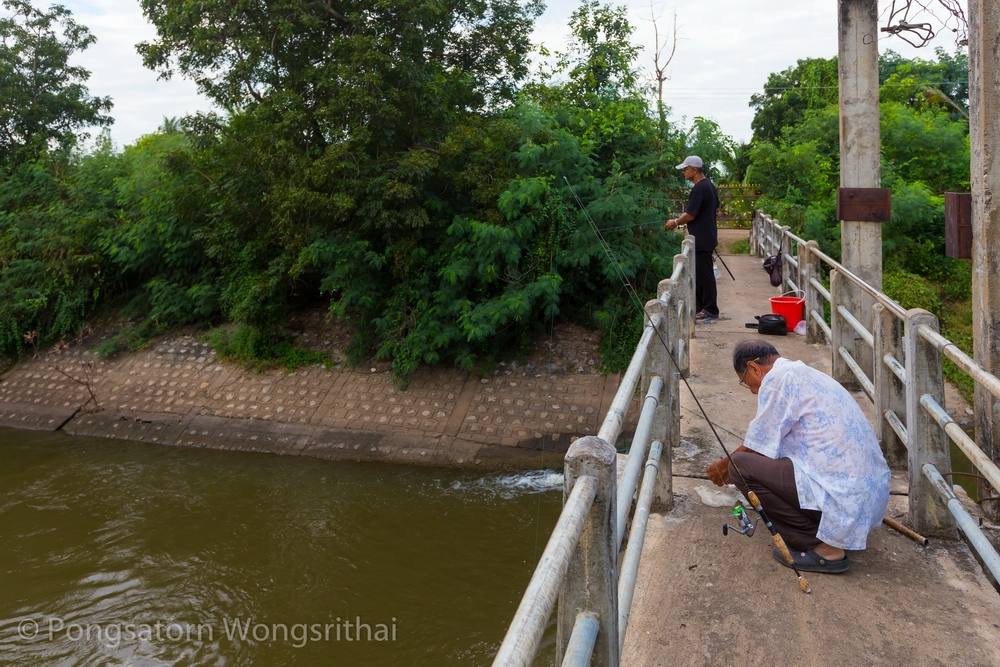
[
  {"x": 86, "y": 383},
  {"x": 659, "y": 64}
]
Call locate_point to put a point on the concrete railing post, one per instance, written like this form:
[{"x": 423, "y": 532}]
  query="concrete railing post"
[
  {"x": 591, "y": 582},
  {"x": 785, "y": 245},
  {"x": 801, "y": 252},
  {"x": 753, "y": 233},
  {"x": 841, "y": 333},
  {"x": 666, "y": 418},
  {"x": 683, "y": 297},
  {"x": 809, "y": 263},
  {"x": 687, "y": 247},
  {"x": 927, "y": 442},
  {"x": 890, "y": 393}
]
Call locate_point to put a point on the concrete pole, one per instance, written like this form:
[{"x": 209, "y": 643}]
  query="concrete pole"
[
  {"x": 984, "y": 133},
  {"x": 860, "y": 140}
]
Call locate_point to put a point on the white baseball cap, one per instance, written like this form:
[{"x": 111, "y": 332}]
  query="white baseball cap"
[{"x": 692, "y": 161}]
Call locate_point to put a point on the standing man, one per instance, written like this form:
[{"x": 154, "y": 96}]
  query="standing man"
[{"x": 700, "y": 218}]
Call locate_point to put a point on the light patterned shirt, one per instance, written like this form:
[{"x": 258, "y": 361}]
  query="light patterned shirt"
[{"x": 808, "y": 417}]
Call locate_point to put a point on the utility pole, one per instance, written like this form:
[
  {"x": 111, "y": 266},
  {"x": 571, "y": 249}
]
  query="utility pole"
[
  {"x": 860, "y": 142},
  {"x": 984, "y": 134}
]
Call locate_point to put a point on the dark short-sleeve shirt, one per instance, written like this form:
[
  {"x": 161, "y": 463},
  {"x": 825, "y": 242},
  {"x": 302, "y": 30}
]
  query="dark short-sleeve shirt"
[{"x": 703, "y": 204}]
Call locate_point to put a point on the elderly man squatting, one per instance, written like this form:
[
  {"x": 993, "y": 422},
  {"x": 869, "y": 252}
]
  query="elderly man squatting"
[{"x": 811, "y": 457}]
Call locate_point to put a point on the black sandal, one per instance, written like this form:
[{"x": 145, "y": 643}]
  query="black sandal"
[{"x": 810, "y": 561}]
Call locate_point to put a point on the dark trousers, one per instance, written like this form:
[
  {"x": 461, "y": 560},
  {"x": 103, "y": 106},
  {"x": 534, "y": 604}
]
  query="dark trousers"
[
  {"x": 705, "y": 294},
  {"x": 773, "y": 480}
]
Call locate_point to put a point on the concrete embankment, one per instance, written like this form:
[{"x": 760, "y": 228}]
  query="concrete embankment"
[{"x": 178, "y": 392}]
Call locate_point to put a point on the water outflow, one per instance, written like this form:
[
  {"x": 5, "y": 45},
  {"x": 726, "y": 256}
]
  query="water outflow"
[{"x": 510, "y": 485}]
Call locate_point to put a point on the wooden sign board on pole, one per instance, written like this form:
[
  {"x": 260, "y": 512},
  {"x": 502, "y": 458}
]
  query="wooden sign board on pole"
[{"x": 864, "y": 204}]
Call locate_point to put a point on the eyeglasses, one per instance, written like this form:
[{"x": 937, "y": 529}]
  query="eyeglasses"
[{"x": 743, "y": 382}]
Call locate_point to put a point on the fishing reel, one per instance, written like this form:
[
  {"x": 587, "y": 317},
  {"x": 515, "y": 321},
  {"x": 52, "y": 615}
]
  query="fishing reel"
[{"x": 746, "y": 525}]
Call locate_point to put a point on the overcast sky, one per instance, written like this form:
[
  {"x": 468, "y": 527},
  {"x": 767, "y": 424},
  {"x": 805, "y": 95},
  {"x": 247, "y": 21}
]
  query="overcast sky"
[{"x": 725, "y": 51}]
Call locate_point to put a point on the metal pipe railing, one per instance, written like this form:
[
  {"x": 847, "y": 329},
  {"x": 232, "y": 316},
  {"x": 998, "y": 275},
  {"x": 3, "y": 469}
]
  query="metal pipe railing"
[
  {"x": 584, "y": 541},
  {"x": 896, "y": 424},
  {"x": 980, "y": 544},
  {"x": 525, "y": 633},
  {"x": 851, "y": 276},
  {"x": 796, "y": 238},
  {"x": 989, "y": 381},
  {"x": 897, "y": 368},
  {"x": 824, "y": 292},
  {"x": 977, "y": 456},
  {"x": 613, "y": 421},
  {"x": 857, "y": 326},
  {"x": 580, "y": 648},
  {"x": 824, "y": 327},
  {"x": 863, "y": 380},
  {"x": 636, "y": 538},
  {"x": 874, "y": 293},
  {"x": 636, "y": 455}
]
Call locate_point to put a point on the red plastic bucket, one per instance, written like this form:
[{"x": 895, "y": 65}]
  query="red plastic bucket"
[{"x": 789, "y": 307}]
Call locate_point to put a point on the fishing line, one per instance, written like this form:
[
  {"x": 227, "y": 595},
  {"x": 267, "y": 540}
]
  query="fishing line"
[{"x": 776, "y": 538}]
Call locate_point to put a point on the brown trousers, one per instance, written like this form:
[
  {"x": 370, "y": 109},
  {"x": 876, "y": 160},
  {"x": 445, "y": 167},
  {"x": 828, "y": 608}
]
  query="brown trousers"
[{"x": 773, "y": 480}]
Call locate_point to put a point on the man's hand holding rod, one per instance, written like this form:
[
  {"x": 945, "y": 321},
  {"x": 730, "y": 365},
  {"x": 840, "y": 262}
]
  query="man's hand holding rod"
[{"x": 679, "y": 221}]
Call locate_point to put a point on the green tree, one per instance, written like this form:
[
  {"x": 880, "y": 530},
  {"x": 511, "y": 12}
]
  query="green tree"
[
  {"x": 600, "y": 60},
  {"x": 43, "y": 98},
  {"x": 811, "y": 84},
  {"x": 706, "y": 139},
  {"x": 927, "y": 84}
]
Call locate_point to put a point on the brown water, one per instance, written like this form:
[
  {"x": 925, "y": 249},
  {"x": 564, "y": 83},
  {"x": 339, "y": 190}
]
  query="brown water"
[{"x": 124, "y": 553}]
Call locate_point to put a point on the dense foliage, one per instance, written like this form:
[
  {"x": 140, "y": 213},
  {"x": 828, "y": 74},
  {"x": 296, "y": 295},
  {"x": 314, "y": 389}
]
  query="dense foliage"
[
  {"x": 393, "y": 161},
  {"x": 925, "y": 153}
]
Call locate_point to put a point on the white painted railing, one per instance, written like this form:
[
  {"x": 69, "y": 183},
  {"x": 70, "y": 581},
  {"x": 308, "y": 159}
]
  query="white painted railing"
[
  {"x": 579, "y": 565},
  {"x": 896, "y": 360}
]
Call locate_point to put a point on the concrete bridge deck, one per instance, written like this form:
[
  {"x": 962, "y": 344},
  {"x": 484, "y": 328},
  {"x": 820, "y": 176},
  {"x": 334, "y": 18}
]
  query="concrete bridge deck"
[{"x": 705, "y": 599}]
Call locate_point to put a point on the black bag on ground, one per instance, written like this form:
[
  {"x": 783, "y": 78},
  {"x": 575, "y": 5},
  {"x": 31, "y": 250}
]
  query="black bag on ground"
[
  {"x": 773, "y": 267},
  {"x": 773, "y": 325}
]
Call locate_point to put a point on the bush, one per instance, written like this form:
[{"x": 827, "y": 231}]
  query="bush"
[
  {"x": 262, "y": 349},
  {"x": 740, "y": 247},
  {"x": 911, "y": 291}
]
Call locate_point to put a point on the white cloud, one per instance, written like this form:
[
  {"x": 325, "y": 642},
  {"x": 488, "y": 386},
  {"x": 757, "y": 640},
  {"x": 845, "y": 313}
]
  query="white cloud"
[
  {"x": 141, "y": 101},
  {"x": 727, "y": 48}
]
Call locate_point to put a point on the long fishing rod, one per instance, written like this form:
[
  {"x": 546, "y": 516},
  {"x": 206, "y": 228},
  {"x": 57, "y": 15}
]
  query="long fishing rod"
[
  {"x": 725, "y": 265},
  {"x": 776, "y": 538},
  {"x": 657, "y": 222}
]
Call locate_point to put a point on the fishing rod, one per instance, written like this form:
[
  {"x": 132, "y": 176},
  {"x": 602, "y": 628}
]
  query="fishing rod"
[
  {"x": 724, "y": 264},
  {"x": 776, "y": 538},
  {"x": 633, "y": 226},
  {"x": 657, "y": 222}
]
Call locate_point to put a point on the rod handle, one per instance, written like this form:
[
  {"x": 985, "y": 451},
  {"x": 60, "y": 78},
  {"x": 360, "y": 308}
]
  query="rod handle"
[
  {"x": 779, "y": 544},
  {"x": 909, "y": 532}
]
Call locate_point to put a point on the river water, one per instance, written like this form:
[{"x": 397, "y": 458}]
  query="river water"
[{"x": 124, "y": 553}]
